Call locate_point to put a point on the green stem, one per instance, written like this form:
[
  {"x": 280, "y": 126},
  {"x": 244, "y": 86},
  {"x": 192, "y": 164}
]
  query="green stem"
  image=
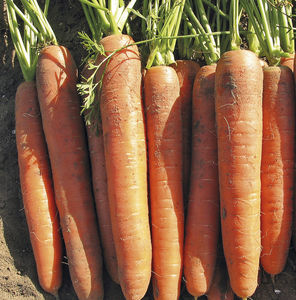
[
  {"x": 234, "y": 25},
  {"x": 216, "y": 9}
]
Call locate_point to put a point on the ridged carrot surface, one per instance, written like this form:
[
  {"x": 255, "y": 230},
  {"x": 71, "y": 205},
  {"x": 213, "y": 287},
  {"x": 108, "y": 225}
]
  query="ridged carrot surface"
[
  {"x": 164, "y": 132},
  {"x": 65, "y": 136},
  {"x": 202, "y": 224},
  {"x": 126, "y": 164},
  {"x": 37, "y": 189},
  {"x": 277, "y": 167},
  {"x": 238, "y": 93}
]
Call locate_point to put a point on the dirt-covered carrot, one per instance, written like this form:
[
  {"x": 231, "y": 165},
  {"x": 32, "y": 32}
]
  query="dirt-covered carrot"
[
  {"x": 239, "y": 129},
  {"x": 164, "y": 133},
  {"x": 277, "y": 169},
  {"x": 34, "y": 167},
  {"x": 122, "y": 115}
]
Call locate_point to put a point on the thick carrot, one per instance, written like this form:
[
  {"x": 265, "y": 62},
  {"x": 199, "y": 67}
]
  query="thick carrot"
[
  {"x": 238, "y": 102},
  {"x": 186, "y": 71},
  {"x": 164, "y": 132},
  {"x": 202, "y": 224},
  {"x": 288, "y": 61},
  {"x": 63, "y": 127},
  {"x": 99, "y": 184},
  {"x": 126, "y": 164},
  {"x": 277, "y": 167},
  {"x": 37, "y": 188}
]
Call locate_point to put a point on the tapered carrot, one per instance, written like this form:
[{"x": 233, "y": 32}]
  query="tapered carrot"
[
  {"x": 60, "y": 109},
  {"x": 202, "y": 224},
  {"x": 126, "y": 164},
  {"x": 238, "y": 104},
  {"x": 37, "y": 188},
  {"x": 99, "y": 183},
  {"x": 164, "y": 134},
  {"x": 277, "y": 167},
  {"x": 186, "y": 71},
  {"x": 34, "y": 166}
]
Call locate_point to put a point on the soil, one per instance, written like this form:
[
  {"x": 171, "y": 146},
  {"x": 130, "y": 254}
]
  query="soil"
[{"x": 18, "y": 278}]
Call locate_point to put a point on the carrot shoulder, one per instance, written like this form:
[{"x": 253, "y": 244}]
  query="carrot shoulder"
[
  {"x": 126, "y": 164},
  {"x": 64, "y": 132},
  {"x": 202, "y": 224},
  {"x": 238, "y": 104},
  {"x": 277, "y": 167},
  {"x": 37, "y": 188},
  {"x": 164, "y": 132}
]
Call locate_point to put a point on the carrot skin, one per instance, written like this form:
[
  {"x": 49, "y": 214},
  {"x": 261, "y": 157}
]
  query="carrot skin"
[
  {"x": 63, "y": 127},
  {"x": 126, "y": 164},
  {"x": 164, "y": 132},
  {"x": 238, "y": 104},
  {"x": 202, "y": 224},
  {"x": 186, "y": 71},
  {"x": 37, "y": 189},
  {"x": 100, "y": 190},
  {"x": 277, "y": 167},
  {"x": 288, "y": 61}
]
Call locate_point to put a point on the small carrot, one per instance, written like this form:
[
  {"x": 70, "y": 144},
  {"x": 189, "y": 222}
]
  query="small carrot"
[
  {"x": 238, "y": 104},
  {"x": 186, "y": 71},
  {"x": 64, "y": 132},
  {"x": 122, "y": 116},
  {"x": 202, "y": 224},
  {"x": 100, "y": 189},
  {"x": 37, "y": 188},
  {"x": 277, "y": 167}
]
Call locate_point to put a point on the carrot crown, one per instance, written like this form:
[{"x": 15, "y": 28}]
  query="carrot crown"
[{"x": 161, "y": 21}]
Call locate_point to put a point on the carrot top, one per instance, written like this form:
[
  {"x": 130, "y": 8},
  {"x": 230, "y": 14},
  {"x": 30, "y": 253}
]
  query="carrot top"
[
  {"x": 37, "y": 32},
  {"x": 271, "y": 21}
]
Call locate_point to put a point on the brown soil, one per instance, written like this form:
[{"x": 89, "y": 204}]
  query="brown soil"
[{"x": 18, "y": 278}]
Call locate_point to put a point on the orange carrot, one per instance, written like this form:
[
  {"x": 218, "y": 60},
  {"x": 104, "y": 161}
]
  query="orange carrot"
[
  {"x": 99, "y": 182},
  {"x": 277, "y": 167},
  {"x": 63, "y": 127},
  {"x": 288, "y": 61},
  {"x": 202, "y": 225},
  {"x": 186, "y": 71},
  {"x": 37, "y": 188},
  {"x": 238, "y": 104},
  {"x": 126, "y": 164},
  {"x": 164, "y": 132}
]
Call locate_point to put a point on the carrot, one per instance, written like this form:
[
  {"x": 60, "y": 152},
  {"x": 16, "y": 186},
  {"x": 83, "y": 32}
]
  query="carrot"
[
  {"x": 126, "y": 164},
  {"x": 37, "y": 189},
  {"x": 60, "y": 109},
  {"x": 277, "y": 168},
  {"x": 186, "y": 71},
  {"x": 202, "y": 224},
  {"x": 34, "y": 166},
  {"x": 288, "y": 61},
  {"x": 99, "y": 182},
  {"x": 164, "y": 134},
  {"x": 238, "y": 104}
]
